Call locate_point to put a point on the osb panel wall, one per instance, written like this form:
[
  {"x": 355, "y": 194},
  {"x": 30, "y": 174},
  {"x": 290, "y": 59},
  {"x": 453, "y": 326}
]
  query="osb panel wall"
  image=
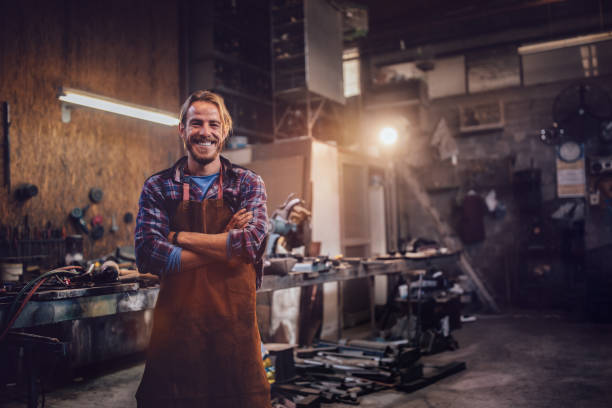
[{"x": 126, "y": 50}]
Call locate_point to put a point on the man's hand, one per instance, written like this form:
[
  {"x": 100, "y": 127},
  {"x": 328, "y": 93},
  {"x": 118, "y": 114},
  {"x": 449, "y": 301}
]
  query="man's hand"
[{"x": 239, "y": 220}]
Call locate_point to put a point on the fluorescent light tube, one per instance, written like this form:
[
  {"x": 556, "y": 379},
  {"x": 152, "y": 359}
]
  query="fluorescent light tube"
[
  {"x": 76, "y": 97},
  {"x": 568, "y": 42}
]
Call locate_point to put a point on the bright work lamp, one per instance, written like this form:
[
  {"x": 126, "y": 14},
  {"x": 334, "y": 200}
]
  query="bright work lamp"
[
  {"x": 388, "y": 136},
  {"x": 75, "y": 97}
]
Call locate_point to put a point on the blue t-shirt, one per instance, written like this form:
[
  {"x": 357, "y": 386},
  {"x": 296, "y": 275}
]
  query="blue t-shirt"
[
  {"x": 174, "y": 260},
  {"x": 204, "y": 182}
]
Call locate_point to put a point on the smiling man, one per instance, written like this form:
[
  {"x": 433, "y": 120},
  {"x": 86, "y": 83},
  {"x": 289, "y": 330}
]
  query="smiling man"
[{"x": 201, "y": 227}]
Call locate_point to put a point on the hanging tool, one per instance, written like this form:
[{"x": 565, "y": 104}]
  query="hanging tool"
[
  {"x": 95, "y": 195},
  {"x": 26, "y": 191},
  {"x": 97, "y": 228},
  {"x": 114, "y": 226},
  {"x": 6, "y": 124},
  {"x": 77, "y": 216},
  {"x": 97, "y": 220},
  {"x": 128, "y": 217},
  {"x": 97, "y": 232}
]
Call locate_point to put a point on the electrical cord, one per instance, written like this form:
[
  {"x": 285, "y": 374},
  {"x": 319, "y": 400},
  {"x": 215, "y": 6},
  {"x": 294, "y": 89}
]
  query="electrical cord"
[
  {"x": 27, "y": 286},
  {"x": 32, "y": 286},
  {"x": 16, "y": 315}
]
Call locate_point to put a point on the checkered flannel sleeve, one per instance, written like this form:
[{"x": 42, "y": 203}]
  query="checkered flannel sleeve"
[
  {"x": 152, "y": 228},
  {"x": 248, "y": 243}
]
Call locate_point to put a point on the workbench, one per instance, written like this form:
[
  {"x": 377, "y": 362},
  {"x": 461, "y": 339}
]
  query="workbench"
[
  {"x": 53, "y": 306},
  {"x": 126, "y": 310},
  {"x": 75, "y": 326},
  {"x": 360, "y": 269}
]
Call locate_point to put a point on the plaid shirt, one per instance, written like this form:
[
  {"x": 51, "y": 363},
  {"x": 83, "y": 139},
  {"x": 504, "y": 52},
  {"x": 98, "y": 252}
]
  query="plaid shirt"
[{"x": 163, "y": 191}]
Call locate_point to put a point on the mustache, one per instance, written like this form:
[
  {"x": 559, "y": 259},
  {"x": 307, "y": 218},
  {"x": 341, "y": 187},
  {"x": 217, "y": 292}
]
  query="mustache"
[{"x": 198, "y": 139}]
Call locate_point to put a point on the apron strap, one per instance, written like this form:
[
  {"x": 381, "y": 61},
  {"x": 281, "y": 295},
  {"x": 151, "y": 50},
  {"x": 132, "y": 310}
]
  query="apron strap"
[
  {"x": 185, "y": 191},
  {"x": 219, "y": 193}
]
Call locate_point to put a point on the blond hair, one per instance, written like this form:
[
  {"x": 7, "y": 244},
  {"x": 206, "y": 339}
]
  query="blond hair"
[{"x": 215, "y": 99}]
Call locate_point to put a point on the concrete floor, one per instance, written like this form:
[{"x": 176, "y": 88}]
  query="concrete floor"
[{"x": 514, "y": 360}]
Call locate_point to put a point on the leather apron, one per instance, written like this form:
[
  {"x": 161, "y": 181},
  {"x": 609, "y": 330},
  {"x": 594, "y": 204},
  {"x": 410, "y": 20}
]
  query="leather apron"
[{"x": 205, "y": 347}]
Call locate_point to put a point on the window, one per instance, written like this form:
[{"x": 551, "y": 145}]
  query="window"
[
  {"x": 589, "y": 60},
  {"x": 580, "y": 61},
  {"x": 351, "y": 72}
]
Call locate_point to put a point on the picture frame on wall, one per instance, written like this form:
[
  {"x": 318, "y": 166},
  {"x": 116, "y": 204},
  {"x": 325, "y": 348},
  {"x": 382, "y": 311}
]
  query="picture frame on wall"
[{"x": 480, "y": 117}]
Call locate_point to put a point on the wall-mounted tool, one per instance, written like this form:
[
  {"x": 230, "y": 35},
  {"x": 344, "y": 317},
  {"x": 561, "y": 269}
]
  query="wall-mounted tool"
[
  {"x": 97, "y": 230},
  {"x": 26, "y": 191},
  {"x": 96, "y": 195},
  {"x": 6, "y": 124},
  {"x": 114, "y": 226},
  {"x": 128, "y": 217},
  {"x": 97, "y": 220},
  {"x": 77, "y": 216}
]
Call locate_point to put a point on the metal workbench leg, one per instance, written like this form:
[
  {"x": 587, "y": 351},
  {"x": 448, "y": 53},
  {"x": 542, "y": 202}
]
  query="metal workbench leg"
[
  {"x": 31, "y": 375},
  {"x": 371, "y": 287},
  {"x": 340, "y": 319}
]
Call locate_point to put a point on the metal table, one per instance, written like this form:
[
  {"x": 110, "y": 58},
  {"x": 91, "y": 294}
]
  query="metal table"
[
  {"x": 358, "y": 270},
  {"x": 49, "y": 307},
  {"x": 53, "y": 306}
]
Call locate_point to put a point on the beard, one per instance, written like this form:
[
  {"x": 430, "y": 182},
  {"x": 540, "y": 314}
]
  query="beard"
[{"x": 198, "y": 158}]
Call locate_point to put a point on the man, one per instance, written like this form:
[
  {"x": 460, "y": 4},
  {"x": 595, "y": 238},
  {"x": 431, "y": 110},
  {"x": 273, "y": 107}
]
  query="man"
[{"x": 202, "y": 226}]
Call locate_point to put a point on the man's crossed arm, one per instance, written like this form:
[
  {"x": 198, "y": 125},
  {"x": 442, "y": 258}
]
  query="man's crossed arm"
[
  {"x": 241, "y": 242},
  {"x": 201, "y": 249}
]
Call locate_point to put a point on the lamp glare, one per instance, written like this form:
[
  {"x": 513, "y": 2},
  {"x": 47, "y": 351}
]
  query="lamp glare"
[{"x": 388, "y": 136}]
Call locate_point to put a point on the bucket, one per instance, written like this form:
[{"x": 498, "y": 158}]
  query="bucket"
[{"x": 10, "y": 272}]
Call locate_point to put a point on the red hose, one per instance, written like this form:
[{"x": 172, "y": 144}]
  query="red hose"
[
  {"x": 25, "y": 301},
  {"x": 29, "y": 296}
]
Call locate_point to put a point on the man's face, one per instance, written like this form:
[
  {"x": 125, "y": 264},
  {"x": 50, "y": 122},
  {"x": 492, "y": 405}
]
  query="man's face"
[{"x": 202, "y": 132}]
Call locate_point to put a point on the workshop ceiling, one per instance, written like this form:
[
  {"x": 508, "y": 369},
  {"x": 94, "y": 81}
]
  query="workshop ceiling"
[{"x": 418, "y": 22}]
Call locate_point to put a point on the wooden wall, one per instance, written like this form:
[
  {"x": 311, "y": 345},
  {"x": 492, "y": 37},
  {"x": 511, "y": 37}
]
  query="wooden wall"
[{"x": 128, "y": 50}]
